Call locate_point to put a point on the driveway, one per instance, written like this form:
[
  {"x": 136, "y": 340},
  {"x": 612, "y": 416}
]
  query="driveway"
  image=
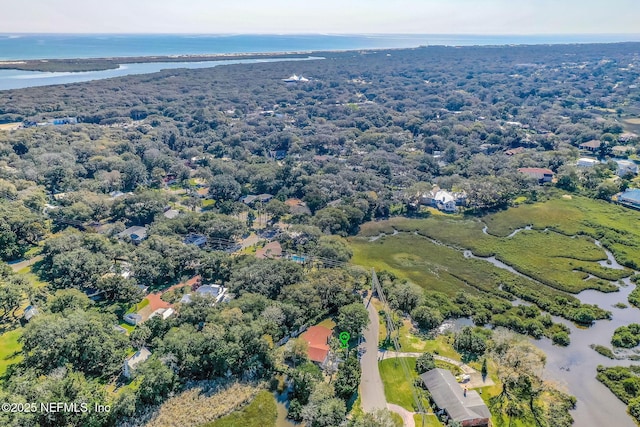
[
  {"x": 17, "y": 266},
  {"x": 371, "y": 387},
  {"x": 407, "y": 417},
  {"x": 475, "y": 381}
]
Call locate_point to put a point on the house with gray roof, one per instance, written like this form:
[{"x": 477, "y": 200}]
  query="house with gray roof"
[
  {"x": 130, "y": 363},
  {"x": 136, "y": 233},
  {"x": 465, "y": 407}
]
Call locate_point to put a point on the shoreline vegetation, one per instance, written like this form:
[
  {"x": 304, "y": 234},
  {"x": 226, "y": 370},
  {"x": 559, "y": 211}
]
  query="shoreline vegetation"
[{"x": 76, "y": 65}]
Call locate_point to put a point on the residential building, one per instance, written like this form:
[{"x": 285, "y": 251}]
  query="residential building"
[
  {"x": 215, "y": 292},
  {"x": 513, "y": 151},
  {"x": 317, "y": 338},
  {"x": 130, "y": 363},
  {"x": 541, "y": 174},
  {"x": 297, "y": 207},
  {"x": 212, "y": 291},
  {"x": 29, "y": 313},
  {"x": 465, "y": 407},
  {"x": 586, "y": 162},
  {"x": 630, "y": 198},
  {"x": 443, "y": 200},
  {"x": 592, "y": 145},
  {"x": 136, "y": 233},
  {"x": 164, "y": 313},
  {"x": 270, "y": 250},
  {"x": 621, "y": 150},
  {"x": 132, "y": 318},
  {"x": 252, "y": 198},
  {"x": 195, "y": 239},
  {"x": 626, "y": 167}
]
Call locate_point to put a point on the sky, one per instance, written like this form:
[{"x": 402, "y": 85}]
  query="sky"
[{"x": 322, "y": 16}]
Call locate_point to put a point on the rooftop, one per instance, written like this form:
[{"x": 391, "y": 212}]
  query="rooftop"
[
  {"x": 448, "y": 395},
  {"x": 318, "y": 338},
  {"x": 270, "y": 250},
  {"x": 139, "y": 357},
  {"x": 630, "y": 196},
  {"x": 135, "y": 233}
]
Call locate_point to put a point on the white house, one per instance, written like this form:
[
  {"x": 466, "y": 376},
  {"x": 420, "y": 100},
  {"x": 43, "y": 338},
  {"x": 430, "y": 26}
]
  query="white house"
[
  {"x": 130, "y": 363},
  {"x": 165, "y": 313},
  {"x": 585, "y": 162},
  {"x": 445, "y": 201},
  {"x": 626, "y": 167},
  {"x": 216, "y": 292}
]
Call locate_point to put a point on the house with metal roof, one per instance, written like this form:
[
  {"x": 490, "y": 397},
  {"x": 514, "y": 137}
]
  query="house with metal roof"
[
  {"x": 465, "y": 407},
  {"x": 630, "y": 198}
]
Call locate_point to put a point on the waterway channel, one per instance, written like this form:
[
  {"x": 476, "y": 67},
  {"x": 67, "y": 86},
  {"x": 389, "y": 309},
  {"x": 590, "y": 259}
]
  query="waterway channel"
[{"x": 573, "y": 368}]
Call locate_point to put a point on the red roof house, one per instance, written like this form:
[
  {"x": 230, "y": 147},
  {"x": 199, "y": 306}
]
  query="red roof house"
[{"x": 318, "y": 339}]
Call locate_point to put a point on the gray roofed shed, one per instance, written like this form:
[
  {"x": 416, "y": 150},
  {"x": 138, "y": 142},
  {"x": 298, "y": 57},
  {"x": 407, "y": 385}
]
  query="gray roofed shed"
[{"x": 470, "y": 410}]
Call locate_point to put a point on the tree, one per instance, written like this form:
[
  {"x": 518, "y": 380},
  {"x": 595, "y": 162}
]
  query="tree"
[
  {"x": 427, "y": 318},
  {"x": 10, "y": 297},
  {"x": 425, "y": 363},
  {"x": 224, "y": 187},
  {"x": 276, "y": 209},
  {"x": 119, "y": 289},
  {"x": 352, "y": 318},
  {"x": 155, "y": 381},
  {"x": 68, "y": 299},
  {"x": 140, "y": 336},
  {"x": 297, "y": 351},
  {"x": 405, "y": 296},
  {"x": 377, "y": 418},
  {"x": 469, "y": 341},
  {"x": 323, "y": 409},
  {"x": 84, "y": 340},
  {"x": 484, "y": 371},
  {"x": 348, "y": 379}
]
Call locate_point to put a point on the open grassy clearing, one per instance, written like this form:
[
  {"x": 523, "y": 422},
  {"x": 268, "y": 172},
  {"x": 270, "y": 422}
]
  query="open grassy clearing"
[
  {"x": 397, "y": 388},
  {"x": 9, "y": 349}
]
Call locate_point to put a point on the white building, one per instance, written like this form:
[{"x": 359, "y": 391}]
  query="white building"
[
  {"x": 626, "y": 167},
  {"x": 130, "y": 363},
  {"x": 586, "y": 162}
]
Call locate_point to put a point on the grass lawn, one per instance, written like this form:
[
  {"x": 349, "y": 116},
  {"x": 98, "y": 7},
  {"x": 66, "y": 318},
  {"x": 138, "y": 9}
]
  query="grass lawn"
[
  {"x": 127, "y": 326},
  {"x": 9, "y": 346},
  {"x": 442, "y": 346},
  {"x": 397, "y": 388},
  {"x": 28, "y": 274},
  {"x": 397, "y": 419},
  {"x": 261, "y": 412},
  {"x": 429, "y": 421},
  {"x": 328, "y": 323},
  {"x": 139, "y": 306}
]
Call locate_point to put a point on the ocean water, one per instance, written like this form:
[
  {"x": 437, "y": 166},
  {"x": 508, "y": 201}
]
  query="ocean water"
[
  {"x": 61, "y": 46},
  {"x": 50, "y": 46}
]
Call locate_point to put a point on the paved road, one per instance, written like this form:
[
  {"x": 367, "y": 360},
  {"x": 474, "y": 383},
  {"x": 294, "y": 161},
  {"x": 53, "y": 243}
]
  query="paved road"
[
  {"x": 407, "y": 417},
  {"x": 17, "y": 266},
  {"x": 371, "y": 387}
]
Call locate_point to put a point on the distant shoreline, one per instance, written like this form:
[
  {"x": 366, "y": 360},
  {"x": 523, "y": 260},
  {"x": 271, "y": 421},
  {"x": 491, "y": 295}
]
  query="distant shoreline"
[{"x": 112, "y": 63}]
